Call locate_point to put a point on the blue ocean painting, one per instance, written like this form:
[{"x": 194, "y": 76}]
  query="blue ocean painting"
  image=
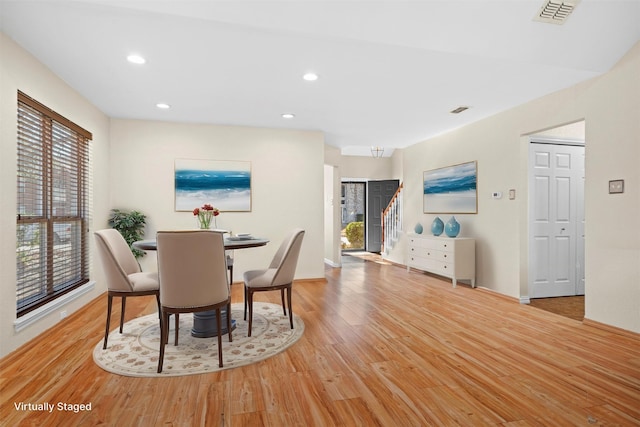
[
  {"x": 451, "y": 189},
  {"x": 224, "y": 184}
]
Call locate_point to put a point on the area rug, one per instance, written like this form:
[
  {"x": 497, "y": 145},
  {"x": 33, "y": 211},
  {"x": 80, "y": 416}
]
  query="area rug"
[{"x": 135, "y": 352}]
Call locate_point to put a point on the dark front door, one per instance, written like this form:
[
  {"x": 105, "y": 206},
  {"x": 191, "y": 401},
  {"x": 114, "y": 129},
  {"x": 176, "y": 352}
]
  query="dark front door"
[{"x": 379, "y": 194}]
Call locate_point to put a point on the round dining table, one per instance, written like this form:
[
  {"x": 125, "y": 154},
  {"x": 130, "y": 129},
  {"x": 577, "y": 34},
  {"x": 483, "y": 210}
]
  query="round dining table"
[
  {"x": 204, "y": 322},
  {"x": 230, "y": 243}
]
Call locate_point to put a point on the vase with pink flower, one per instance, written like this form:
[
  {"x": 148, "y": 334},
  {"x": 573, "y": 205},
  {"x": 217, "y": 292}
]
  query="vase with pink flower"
[{"x": 206, "y": 216}]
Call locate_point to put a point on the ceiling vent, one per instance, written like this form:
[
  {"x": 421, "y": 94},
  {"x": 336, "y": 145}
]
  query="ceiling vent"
[
  {"x": 459, "y": 110},
  {"x": 556, "y": 11}
]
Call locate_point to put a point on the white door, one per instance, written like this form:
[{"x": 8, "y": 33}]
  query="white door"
[{"x": 556, "y": 212}]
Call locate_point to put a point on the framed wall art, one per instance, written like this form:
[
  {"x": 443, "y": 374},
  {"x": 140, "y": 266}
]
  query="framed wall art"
[
  {"x": 224, "y": 184},
  {"x": 452, "y": 189}
]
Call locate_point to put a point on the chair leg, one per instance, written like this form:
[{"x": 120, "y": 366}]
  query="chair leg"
[
  {"x": 289, "y": 304},
  {"x": 245, "y": 302},
  {"x": 229, "y": 320},
  {"x": 124, "y": 302},
  {"x": 284, "y": 307},
  {"x": 219, "y": 320},
  {"x": 164, "y": 333},
  {"x": 250, "y": 302},
  {"x": 177, "y": 320},
  {"x": 106, "y": 333},
  {"x": 159, "y": 306},
  {"x": 231, "y": 274}
]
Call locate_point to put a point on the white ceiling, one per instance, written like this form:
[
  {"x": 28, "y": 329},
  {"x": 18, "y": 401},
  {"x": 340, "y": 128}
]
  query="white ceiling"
[{"x": 390, "y": 71}]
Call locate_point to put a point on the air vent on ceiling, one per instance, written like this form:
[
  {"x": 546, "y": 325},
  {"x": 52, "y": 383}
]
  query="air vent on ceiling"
[
  {"x": 556, "y": 11},
  {"x": 459, "y": 110}
]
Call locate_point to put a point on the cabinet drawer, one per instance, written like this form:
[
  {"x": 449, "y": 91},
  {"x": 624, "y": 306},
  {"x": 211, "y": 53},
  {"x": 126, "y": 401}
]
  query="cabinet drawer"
[
  {"x": 435, "y": 254},
  {"x": 437, "y": 244},
  {"x": 432, "y": 265}
]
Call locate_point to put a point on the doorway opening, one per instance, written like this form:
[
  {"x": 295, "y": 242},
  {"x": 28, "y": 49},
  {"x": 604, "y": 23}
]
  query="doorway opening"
[
  {"x": 362, "y": 205},
  {"x": 353, "y": 207},
  {"x": 556, "y": 177}
]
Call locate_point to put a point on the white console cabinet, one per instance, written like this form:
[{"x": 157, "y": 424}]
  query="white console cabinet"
[{"x": 454, "y": 258}]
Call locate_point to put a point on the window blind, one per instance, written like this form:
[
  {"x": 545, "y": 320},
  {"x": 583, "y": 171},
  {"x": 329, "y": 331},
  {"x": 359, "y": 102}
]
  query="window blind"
[{"x": 52, "y": 252}]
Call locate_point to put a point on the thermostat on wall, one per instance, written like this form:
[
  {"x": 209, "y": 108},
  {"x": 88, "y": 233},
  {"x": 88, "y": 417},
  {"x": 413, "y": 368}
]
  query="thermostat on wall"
[{"x": 496, "y": 195}]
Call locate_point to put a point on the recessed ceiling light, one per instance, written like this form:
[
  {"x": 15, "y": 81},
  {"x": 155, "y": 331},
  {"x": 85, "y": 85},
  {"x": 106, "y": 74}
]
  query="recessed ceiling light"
[
  {"x": 288, "y": 115},
  {"x": 163, "y": 106},
  {"x": 310, "y": 77},
  {"x": 136, "y": 59}
]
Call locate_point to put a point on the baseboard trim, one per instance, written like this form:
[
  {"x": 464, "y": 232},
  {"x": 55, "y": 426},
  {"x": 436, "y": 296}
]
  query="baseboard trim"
[
  {"x": 498, "y": 294},
  {"x": 332, "y": 264},
  {"x": 612, "y": 329}
]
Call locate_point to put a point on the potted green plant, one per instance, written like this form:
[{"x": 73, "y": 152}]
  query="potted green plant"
[{"x": 130, "y": 225}]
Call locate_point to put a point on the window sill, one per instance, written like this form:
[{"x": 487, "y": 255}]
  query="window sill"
[{"x": 38, "y": 314}]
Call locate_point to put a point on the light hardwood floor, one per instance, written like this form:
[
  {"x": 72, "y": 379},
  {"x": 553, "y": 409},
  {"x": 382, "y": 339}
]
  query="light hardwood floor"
[{"x": 381, "y": 347}]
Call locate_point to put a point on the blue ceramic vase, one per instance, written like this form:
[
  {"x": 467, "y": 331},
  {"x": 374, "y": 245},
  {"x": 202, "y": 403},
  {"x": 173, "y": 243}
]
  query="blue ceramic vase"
[
  {"x": 418, "y": 228},
  {"x": 452, "y": 227},
  {"x": 437, "y": 226}
]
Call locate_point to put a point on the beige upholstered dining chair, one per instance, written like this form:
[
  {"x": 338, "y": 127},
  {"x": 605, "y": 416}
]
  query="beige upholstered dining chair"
[
  {"x": 124, "y": 277},
  {"x": 279, "y": 276},
  {"x": 192, "y": 271}
]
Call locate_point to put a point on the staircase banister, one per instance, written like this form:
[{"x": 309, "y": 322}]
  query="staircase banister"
[{"x": 395, "y": 196}]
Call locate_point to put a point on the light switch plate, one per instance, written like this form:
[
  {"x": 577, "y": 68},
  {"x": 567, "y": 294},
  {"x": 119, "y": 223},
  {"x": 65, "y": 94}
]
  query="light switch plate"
[
  {"x": 512, "y": 194},
  {"x": 616, "y": 186}
]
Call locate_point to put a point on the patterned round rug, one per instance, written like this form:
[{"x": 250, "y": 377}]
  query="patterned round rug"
[{"x": 135, "y": 352}]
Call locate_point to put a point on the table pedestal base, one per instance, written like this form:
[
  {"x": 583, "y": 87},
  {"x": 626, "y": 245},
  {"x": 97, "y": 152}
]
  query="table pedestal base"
[{"x": 206, "y": 326}]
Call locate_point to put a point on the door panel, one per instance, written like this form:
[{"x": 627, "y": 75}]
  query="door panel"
[
  {"x": 556, "y": 210},
  {"x": 563, "y": 200},
  {"x": 541, "y": 199},
  {"x": 541, "y": 259},
  {"x": 562, "y": 260},
  {"x": 379, "y": 194}
]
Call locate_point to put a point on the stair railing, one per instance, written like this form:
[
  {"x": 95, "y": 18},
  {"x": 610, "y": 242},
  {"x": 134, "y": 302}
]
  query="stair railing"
[{"x": 392, "y": 221}]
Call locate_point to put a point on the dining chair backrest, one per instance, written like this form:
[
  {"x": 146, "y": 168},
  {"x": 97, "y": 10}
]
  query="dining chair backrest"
[
  {"x": 192, "y": 268},
  {"x": 117, "y": 259},
  {"x": 286, "y": 258}
]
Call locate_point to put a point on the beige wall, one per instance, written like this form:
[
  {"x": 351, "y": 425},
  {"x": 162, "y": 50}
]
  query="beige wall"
[
  {"x": 610, "y": 106},
  {"x": 332, "y": 214},
  {"x": 613, "y": 236},
  {"x": 362, "y": 167},
  {"x": 332, "y": 250},
  {"x": 20, "y": 71},
  {"x": 287, "y": 185}
]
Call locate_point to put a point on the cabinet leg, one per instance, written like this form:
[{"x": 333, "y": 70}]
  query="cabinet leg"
[
  {"x": 455, "y": 282},
  {"x": 473, "y": 283}
]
